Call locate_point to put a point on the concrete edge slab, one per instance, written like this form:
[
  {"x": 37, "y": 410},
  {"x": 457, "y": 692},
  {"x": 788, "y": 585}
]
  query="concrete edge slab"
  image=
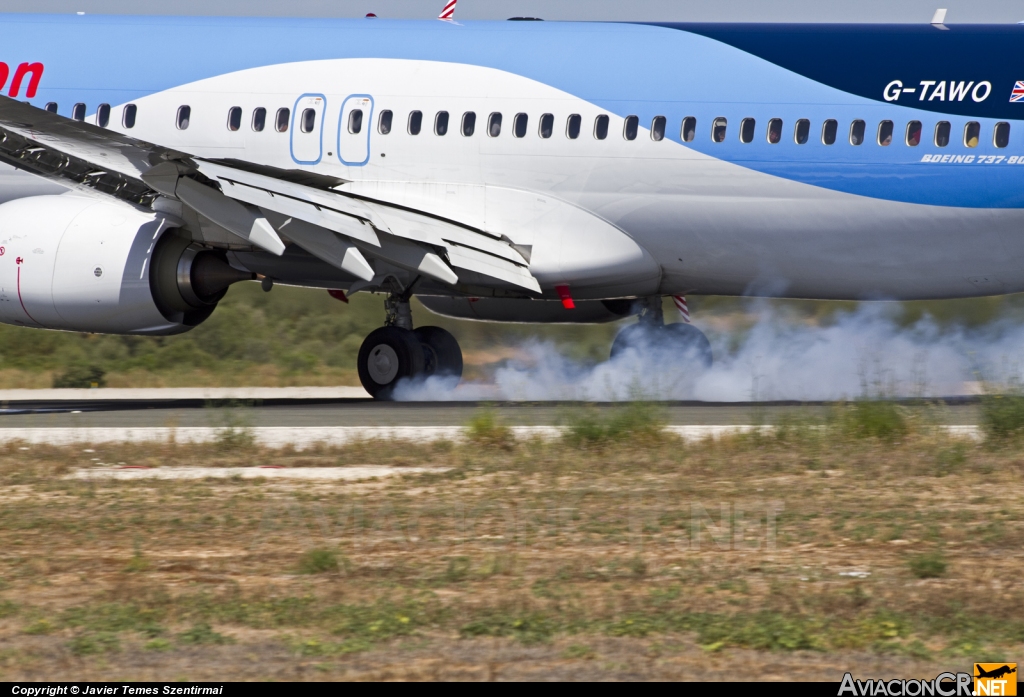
[{"x": 305, "y": 437}]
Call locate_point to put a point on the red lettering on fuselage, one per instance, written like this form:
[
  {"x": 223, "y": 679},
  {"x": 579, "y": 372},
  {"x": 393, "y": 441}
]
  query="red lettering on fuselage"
[{"x": 33, "y": 70}]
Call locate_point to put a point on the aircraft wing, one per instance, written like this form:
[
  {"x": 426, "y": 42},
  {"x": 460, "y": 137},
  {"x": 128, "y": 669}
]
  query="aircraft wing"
[{"x": 255, "y": 202}]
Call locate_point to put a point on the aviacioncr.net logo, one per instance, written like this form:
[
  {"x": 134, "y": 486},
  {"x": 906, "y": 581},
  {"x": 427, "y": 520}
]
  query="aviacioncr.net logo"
[{"x": 943, "y": 685}]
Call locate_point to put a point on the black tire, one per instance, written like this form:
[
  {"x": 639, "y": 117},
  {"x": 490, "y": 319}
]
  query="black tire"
[
  {"x": 441, "y": 353},
  {"x": 682, "y": 338},
  {"x": 634, "y": 336},
  {"x": 388, "y": 355},
  {"x": 672, "y": 341}
]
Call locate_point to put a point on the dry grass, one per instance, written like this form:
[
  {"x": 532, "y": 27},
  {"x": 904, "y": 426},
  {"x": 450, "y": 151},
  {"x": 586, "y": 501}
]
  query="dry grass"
[{"x": 899, "y": 556}]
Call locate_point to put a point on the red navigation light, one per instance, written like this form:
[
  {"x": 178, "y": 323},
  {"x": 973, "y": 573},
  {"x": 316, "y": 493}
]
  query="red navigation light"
[{"x": 563, "y": 293}]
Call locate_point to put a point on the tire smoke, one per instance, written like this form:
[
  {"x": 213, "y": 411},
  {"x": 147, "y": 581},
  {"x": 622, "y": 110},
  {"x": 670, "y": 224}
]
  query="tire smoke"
[{"x": 861, "y": 353}]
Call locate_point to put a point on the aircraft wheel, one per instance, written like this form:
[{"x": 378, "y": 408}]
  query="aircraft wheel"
[
  {"x": 441, "y": 352},
  {"x": 682, "y": 338},
  {"x": 387, "y": 355},
  {"x": 635, "y": 336},
  {"x": 667, "y": 342}
]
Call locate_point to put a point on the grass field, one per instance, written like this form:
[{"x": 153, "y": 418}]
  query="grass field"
[{"x": 863, "y": 543}]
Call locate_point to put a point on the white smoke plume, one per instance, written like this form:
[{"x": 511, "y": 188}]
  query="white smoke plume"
[{"x": 860, "y": 353}]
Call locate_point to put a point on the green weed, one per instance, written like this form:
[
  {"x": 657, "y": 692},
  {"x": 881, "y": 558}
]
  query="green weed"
[
  {"x": 1002, "y": 416},
  {"x": 318, "y": 561},
  {"x": 635, "y": 420},
  {"x": 94, "y": 643},
  {"x": 80, "y": 376},
  {"x": 928, "y": 565},
  {"x": 950, "y": 460},
  {"x": 202, "y": 633},
  {"x": 528, "y": 627},
  {"x": 40, "y": 626},
  {"x": 485, "y": 429},
  {"x": 578, "y": 651},
  {"x": 873, "y": 418}
]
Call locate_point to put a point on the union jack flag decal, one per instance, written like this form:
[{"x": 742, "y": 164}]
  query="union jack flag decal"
[
  {"x": 1018, "y": 92},
  {"x": 449, "y": 11}
]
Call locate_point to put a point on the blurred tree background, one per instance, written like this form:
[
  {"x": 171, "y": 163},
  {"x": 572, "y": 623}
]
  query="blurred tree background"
[{"x": 298, "y": 336}]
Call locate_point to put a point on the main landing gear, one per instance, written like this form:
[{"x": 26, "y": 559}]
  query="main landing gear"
[
  {"x": 397, "y": 351},
  {"x": 654, "y": 340}
]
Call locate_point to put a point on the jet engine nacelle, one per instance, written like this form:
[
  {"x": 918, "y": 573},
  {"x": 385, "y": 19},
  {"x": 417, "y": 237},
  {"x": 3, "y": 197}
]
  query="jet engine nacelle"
[{"x": 81, "y": 264}]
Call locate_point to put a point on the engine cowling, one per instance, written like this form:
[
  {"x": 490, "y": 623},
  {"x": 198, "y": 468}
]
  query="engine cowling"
[{"x": 82, "y": 264}]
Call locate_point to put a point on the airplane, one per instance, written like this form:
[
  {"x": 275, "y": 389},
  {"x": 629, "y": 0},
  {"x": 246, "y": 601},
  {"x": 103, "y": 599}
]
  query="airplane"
[
  {"x": 995, "y": 673},
  {"x": 517, "y": 171}
]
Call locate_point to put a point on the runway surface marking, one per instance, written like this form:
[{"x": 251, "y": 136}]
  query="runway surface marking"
[
  {"x": 354, "y": 473},
  {"x": 300, "y": 437},
  {"x": 112, "y": 394}
]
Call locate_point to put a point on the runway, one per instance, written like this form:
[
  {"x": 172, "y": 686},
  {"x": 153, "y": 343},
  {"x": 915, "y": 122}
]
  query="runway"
[{"x": 302, "y": 416}]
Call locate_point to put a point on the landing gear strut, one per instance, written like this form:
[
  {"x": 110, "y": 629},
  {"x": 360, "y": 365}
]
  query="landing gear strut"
[
  {"x": 396, "y": 351},
  {"x": 651, "y": 338}
]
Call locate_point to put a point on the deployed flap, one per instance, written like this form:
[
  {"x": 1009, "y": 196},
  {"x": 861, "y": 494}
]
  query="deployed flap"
[
  {"x": 465, "y": 247},
  {"x": 321, "y": 208},
  {"x": 230, "y": 214},
  {"x": 327, "y": 246}
]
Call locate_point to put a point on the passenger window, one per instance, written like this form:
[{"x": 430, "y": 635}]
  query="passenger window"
[
  {"x": 857, "y": 132},
  {"x": 942, "y": 134},
  {"x": 441, "y": 123},
  {"x": 384, "y": 122},
  {"x": 234, "y": 118},
  {"x": 494, "y": 125},
  {"x": 308, "y": 121},
  {"x": 283, "y": 116},
  {"x": 103, "y": 115},
  {"x": 657, "y": 128},
  {"x": 885, "y": 133},
  {"x": 183, "y": 117},
  {"x": 631, "y": 127},
  {"x": 572, "y": 126},
  {"x": 51, "y": 107},
  {"x": 747, "y": 130},
  {"x": 802, "y": 132},
  {"x": 689, "y": 130},
  {"x": 774, "y": 131},
  {"x": 1001, "y": 135},
  {"x": 718, "y": 128},
  {"x": 259, "y": 119},
  {"x": 829, "y": 130},
  {"x": 415, "y": 122},
  {"x": 78, "y": 112},
  {"x": 547, "y": 125},
  {"x": 519, "y": 125},
  {"x": 355, "y": 121},
  {"x": 914, "y": 134},
  {"x": 972, "y": 132},
  {"x": 469, "y": 123},
  {"x": 128, "y": 115},
  {"x": 601, "y": 127}
]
